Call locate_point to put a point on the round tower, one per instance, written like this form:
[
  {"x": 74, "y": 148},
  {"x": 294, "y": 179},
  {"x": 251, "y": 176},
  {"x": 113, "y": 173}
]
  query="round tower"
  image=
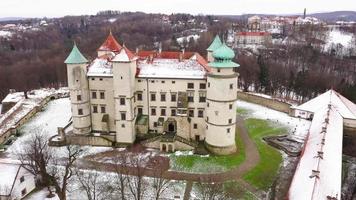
[
  {"x": 78, "y": 91},
  {"x": 221, "y": 97}
]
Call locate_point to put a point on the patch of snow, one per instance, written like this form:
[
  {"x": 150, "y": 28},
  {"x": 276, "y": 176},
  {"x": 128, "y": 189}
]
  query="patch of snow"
[
  {"x": 100, "y": 67},
  {"x": 171, "y": 68},
  {"x": 41, "y": 195},
  {"x": 8, "y": 174},
  {"x": 338, "y": 37},
  {"x": 112, "y": 20},
  {"x": 180, "y": 40},
  {"x": 298, "y": 127},
  {"x": 5, "y": 34}
]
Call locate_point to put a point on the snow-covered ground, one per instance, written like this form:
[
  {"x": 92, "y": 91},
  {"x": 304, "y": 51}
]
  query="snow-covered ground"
[
  {"x": 338, "y": 37},
  {"x": 298, "y": 127},
  {"x": 5, "y": 34},
  {"x": 187, "y": 38}
]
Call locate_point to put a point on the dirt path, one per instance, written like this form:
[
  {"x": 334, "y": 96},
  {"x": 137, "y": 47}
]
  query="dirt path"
[{"x": 251, "y": 160}]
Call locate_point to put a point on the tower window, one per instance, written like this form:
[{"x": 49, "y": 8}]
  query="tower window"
[
  {"x": 103, "y": 109},
  {"x": 230, "y": 106},
  {"x": 163, "y": 112},
  {"x": 191, "y": 113},
  {"x": 163, "y": 97},
  {"x": 208, "y": 84},
  {"x": 228, "y": 130},
  {"x": 153, "y": 97},
  {"x": 190, "y": 85},
  {"x": 173, "y": 112},
  {"x": 173, "y": 97},
  {"x": 102, "y": 95},
  {"x": 200, "y": 113},
  {"x": 79, "y": 97},
  {"x": 230, "y": 121},
  {"x": 173, "y": 82},
  {"x": 93, "y": 95},
  {"x": 195, "y": 126},
  {"x": 122, "y": 125},
  {"x": 207, "y": 104},
  {"x": 139, "y": 110},
  {"x": 139, "y": 96},
  {"x": 95, "y": 109},
  {"x": 100, "y": 79},
  {"x": 231, "y": 86},
  {"x": 123, "y": 116},
  {"x": 80, "y": 111},
  {"x": 162, "y": 81},
  {"x": 218, "y": 70},
  {"x": 122, "y": 101},
  {"x": 153, "y": 111},
  {"x": 202, "y": 86}
]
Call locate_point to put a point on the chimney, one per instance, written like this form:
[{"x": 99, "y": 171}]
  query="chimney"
[
  {"x": 160, "y": 48},
  {"x": 305, "y": 13},
  {"x": 136, "y": 50}
]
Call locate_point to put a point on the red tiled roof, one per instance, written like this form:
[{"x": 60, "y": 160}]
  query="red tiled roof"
[
  {"x": 110, "y": 44},
  {"x": 253, "y": 33}
]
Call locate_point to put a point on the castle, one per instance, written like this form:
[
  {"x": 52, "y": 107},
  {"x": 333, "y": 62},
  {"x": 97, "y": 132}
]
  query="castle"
[{"x": 168, "y": 100}]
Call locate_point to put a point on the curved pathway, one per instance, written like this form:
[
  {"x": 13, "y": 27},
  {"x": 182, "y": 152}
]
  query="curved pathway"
[{"x": 251, "y": 160}]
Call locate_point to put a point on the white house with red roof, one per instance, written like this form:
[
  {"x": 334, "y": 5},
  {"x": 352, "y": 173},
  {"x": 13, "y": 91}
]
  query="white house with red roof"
[{"x": 175, "y": 99}]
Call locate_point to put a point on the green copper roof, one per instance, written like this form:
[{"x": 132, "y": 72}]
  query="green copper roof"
[
  {"x": 215, "y": 44},
  {"x": 75, "y": 57},
  {"x": 224, "y": 52},
  {"x": 223, "y": 57}
]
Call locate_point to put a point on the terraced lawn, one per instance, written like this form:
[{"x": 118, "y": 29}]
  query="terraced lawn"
[
  {"x": 210, "y": 163},
  {"x": 263, "y": 175}
]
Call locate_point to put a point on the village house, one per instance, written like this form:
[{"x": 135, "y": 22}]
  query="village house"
[
  {"x": 172, "y": 99},
  {"x": 253, "y": 38},
  {"x": 15, "y": 181}
]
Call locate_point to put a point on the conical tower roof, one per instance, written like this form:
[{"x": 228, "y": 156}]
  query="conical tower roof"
[
  {"x": 215, "y": 44},
  {"x": 110, "y": 44},
  {"x": 75, "y": 57}
]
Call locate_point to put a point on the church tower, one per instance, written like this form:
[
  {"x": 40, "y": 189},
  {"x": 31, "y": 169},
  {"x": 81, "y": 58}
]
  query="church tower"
[
  {"x": 79, "y": 91},
  {"x": 124, "y": 71},
  {"x": 221, "y": 98}
]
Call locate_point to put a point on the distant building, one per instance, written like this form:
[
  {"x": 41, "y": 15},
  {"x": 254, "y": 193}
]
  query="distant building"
[
  {"x": 253, "y": 38},
  {"x": 15, "y": 181},
  {"x": 174, "y": 98},
  {"x": 254, "y": 23}
]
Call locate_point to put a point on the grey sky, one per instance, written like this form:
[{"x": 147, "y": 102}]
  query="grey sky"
[{"x": 56, "y": 8}]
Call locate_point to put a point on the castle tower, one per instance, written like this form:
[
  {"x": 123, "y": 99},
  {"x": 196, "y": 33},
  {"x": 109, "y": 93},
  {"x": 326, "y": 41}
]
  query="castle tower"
[
  {"x": 213, "y": 46},
  {"x": 124, "y": 71},
  {"x": 221, "y": 97},
  {"x": 79, "y": 91},
  {"x": 109, "y": 46}
]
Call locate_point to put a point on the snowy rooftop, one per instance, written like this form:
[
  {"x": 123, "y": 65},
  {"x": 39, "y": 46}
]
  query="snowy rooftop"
[
  {"x": 345, "y": 107},
  {"x": 100, "y": 67},
  {"x": 8, "y": 174},
  {"x": 318, "y": 174},
  {"x": 171, "y": 68}
]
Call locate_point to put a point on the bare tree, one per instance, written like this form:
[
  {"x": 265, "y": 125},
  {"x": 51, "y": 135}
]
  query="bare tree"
[
  {"x": 159, "y": 183},
  {"x": 136, "y": 183},
  {"x": 95, "y": 186},
  {"x": 121, "y": 177},
  {"x": 211, "y": 191}
]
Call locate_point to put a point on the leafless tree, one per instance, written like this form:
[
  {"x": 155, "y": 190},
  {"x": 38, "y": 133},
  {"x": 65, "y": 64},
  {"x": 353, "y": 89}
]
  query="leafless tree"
[
  {"x": 211, "y": 191},
  {"x": 121, "y": 177},
  {"x": 136, "y": 183},
  {"x": 94, "y": 184},
  {"x": 160, "y": 184}
]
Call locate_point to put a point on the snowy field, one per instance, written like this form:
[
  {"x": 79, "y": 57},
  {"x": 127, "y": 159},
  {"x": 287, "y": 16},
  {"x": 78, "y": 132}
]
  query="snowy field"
[{"x": 298, "y": 127}]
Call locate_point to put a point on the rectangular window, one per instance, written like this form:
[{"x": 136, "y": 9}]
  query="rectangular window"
[
  {"x": 173, "y": 82},
  {"x": 163, "y": 97},
  {"x": 173, "y": 112},
  {"x": 202, "y": 86},
  {"x": 218, "y": 70},
  {"x": 209, "y": 84},
  {"x": 153, "y": 111},
  {"x": 200, "y": 113},
  {"x": 230, "y": 106},
  {"x": 162, "y": 81},
  {"x": 230, "y": 121},
  {"x": 190, "y": 96},
  {"x": 155, "y": 124},
  {"x": 191, "y": 113},
  {"x": 139, "y": 96},
  {"x": 173, "y": 97},
  {"x": 122, "y": 101},
  {"x": 231, "y": 86},
  {"x": 103, "y": 109},
  {"x": 22, "y": 179},
  {"x": 195, "y": 126},
  {"x": 102, "y": 95},
  {"x": 228, "y": 130},
  {"x": 202, "y": 97},
  {"x": 139, "y": 110},
  {"x": 93, "y": 95},
  {"x": 153, "y": 97},
  {"x": 123, "y": 115},
  {"x": 122, "y": 125},
  {"x": 207, "y": 104},
  {"x": 163, "y": 112},
  {"x": 80, "y": 111},
  {"x": 79, "y": 97},
  {"x": 100, "y": 79},
  {"x": 93, "y": 79},
  {"x": 190, "y": 85},
  {"x": 95, "y": 109}
]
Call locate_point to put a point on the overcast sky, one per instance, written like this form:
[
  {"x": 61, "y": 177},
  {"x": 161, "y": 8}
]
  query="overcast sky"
[{"x": 57, "y": 8}]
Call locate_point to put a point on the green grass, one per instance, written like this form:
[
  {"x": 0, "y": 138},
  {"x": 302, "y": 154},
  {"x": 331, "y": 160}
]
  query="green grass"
[
  {"x": 263, "y": 175},
  {"x": 210, "y": 164}
]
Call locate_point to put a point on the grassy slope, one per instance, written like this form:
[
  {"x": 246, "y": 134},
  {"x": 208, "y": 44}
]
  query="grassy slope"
[
  {"x": 262, "y": 176},
  {"x": 213, "y": 163}
]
